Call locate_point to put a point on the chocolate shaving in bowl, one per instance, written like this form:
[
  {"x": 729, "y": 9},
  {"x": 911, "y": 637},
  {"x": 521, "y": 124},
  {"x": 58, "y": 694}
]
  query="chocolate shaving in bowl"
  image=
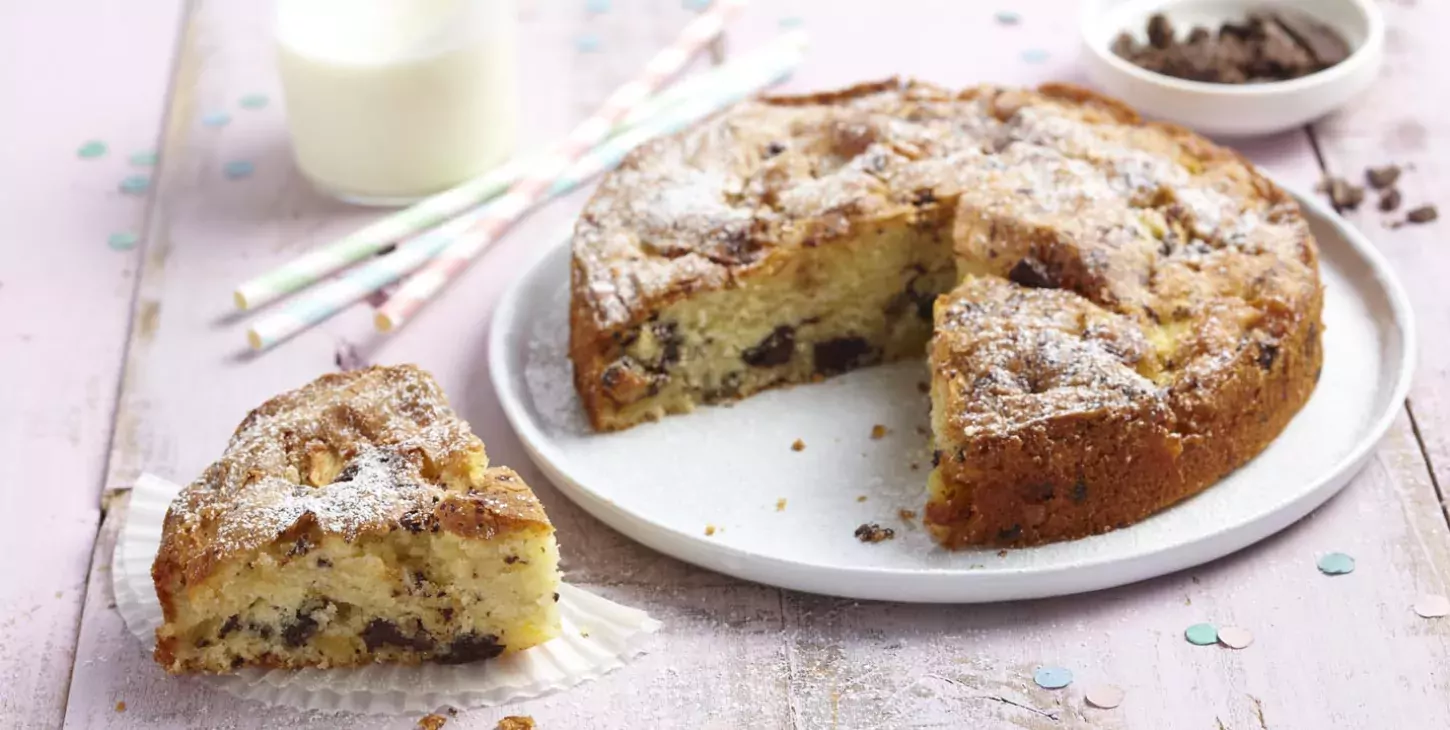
[{"x": 1267, "y": 46}]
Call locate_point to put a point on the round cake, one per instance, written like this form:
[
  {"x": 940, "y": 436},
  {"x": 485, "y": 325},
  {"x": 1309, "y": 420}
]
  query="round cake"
[{"x": 1116, "y": 313}]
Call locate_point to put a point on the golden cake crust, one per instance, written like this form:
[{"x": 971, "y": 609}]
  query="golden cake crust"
[
  {"x": 1199, "y": 274},
  {"x": 350, "y": 454}
]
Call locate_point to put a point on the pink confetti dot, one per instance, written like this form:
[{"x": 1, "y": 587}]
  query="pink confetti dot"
[{"x": 1234, "y": 637}]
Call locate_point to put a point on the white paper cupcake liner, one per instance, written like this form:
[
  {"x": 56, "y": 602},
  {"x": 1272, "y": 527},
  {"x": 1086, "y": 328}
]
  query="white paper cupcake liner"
[{"x": 598, "y": 637}]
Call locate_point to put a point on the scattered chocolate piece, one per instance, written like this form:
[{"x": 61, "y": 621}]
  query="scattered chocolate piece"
[
  {"x": 878, "y": 432},
  {"x": 799, "y": 445},
  {"x": 1380, "y": 178},
  {"x": 121, "y": 706},
  {"x": 923, "y": 387},
  {"x": 1263, "y": 47},
  {"x": 872, "y": 532},
  {"x": 1343, "y": 195},
  {"x": 1422, "y": 214},
  {"x": 516, "y": 722},
  {"x": 432, "y": 721},
  {"x": 1390, "y": 200},
  {"x": 908, "y": 515},
  {"x": 861, "y": 498}
]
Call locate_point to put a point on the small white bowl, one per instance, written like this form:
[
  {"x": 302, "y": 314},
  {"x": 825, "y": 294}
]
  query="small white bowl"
[{"x": 1231, "y": 110}]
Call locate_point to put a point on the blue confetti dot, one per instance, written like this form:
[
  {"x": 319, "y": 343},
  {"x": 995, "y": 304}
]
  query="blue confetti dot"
[
  {"x": 1336, "y": 564},
  {"x": 791, "y": 21},
  {"x": 122, "y": 241},
  {"x": 596, "y": 6},
  {"x": 1007, "y": 17},
  {"x": 253, "y": 101},
  {"x": 1052, "y": 677},
  {"x": 587, "y": 43},
  {"x": 216, "y": 119},
  {"x": 1201, "y": 634},
  {"x": 695, "y": 4},
  {"x": 1034, "y": 55},
  {"x": 135, "y": 184},
  {"x": 237, "y": 169}
]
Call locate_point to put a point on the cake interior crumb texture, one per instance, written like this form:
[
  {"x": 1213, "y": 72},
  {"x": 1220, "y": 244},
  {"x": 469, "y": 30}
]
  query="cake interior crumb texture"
[
  {"x": 355, "y": 520},
  {"x": 1119, "y": 313}
]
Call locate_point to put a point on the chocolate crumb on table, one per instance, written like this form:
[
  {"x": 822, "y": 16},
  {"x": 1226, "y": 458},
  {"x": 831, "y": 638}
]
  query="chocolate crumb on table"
[
  {"x": 907, "y": 514},
  {"x": 878, "y": 432},
  {"x": 873, "y": 533},
  {"x": 432, "y": 721},
  {"x": 923, "y": 387},
  {"x": 1380, "y": 178},
  {"x": 121, "y": 706},
  {"x": 1422, "y": 214},
  {"x": 516, "y": 722},
  {"x": 1390, "y": 200},
  {"x": 799, "y": 445},
  {"x": 1268, "y": 46},
  {"x": 1342, "y": 194},
  {"x": 861, "y": 498}
]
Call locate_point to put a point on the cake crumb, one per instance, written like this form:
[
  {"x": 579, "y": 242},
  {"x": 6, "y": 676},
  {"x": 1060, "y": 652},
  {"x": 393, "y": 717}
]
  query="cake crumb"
[
  {"x": 872, "y": 532},
  {"x": 915, "y": 466},
  {"x": 432, "y": 721},
  {"x": 922, "y": 430},
  {"x": 923, "y": 387},
  {"x": 780, "y": 505},
  {"x": 799, "y": 445},
  {"x": 121, "y": 706},
  {"x": 516, "y": 722},
  {"x": 861, "y": 498},
  {"x": 709, "y": 530},
  {"x": 907, "y": 514},
  {"x": 878, "y": 432},
  {"x": 1001, "y": 553}
]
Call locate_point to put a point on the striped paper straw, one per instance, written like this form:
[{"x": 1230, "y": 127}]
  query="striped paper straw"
[
  {"x": 529, "y": 190},
  {"x": 315, "y": 265},
  {"x": 740, "y": 78}
]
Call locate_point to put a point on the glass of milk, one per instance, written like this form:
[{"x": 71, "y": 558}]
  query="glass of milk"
[{"x": 389, "y": 101}]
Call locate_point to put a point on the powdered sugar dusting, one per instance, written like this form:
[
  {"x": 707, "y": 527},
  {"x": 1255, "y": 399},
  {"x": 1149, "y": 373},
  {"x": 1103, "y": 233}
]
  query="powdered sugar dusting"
[{"x": 347, "y": 453}]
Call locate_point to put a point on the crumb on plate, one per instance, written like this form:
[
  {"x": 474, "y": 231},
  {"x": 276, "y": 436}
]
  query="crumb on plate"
[{"x": 872, "y": 532}]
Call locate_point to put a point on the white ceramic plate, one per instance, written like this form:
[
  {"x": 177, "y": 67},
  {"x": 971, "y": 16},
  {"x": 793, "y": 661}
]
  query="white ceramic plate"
[{"x": 663, "y": 483}]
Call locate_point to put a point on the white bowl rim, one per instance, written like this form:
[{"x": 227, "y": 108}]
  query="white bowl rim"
[{"x": 1373, "y": 40}]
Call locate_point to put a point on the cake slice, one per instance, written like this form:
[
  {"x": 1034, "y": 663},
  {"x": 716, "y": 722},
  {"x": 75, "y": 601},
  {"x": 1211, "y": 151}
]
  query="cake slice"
[{"x": 351, "y": 521}]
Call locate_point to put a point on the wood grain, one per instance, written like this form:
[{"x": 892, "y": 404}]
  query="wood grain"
[
  {"x": 1403, "y": 120},
  {"x": 1330, "y": 652},
  {"x": 65, "y": 296}
]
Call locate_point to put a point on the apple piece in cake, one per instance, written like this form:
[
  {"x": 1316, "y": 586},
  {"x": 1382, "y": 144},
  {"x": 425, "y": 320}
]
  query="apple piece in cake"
[{"x": 354, "y": 520}]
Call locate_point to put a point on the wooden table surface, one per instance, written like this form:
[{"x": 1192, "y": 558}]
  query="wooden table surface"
[{"x": 118, "y": 361}]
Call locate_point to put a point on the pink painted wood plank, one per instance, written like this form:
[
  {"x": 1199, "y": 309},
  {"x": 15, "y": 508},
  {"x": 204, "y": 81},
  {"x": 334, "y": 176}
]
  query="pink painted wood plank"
[
  {"x": 734, "y": 655},
  {"x": 69, "y": 76},
  {"x": 1405, "y": 119}
]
